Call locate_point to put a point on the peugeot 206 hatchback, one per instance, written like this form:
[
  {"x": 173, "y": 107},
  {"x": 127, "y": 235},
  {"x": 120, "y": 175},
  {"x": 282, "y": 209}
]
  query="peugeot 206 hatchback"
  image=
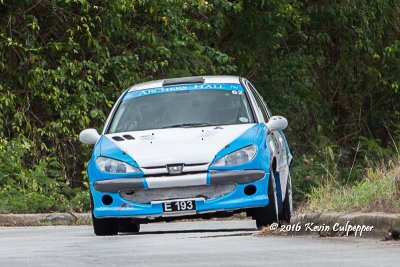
[{"x": 188, "y": 147}]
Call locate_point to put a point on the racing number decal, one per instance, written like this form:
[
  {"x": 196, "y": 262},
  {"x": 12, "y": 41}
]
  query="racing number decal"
[{"x": 234, "y": 92}]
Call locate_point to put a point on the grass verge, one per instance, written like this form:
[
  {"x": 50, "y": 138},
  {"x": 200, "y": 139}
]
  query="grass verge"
[{"x": 379, "y": 191}]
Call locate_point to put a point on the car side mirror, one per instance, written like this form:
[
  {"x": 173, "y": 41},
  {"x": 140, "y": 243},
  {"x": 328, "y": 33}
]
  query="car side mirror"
[
  {"x": 277, "y": 123},
  {"x": 89, "y": 136}
]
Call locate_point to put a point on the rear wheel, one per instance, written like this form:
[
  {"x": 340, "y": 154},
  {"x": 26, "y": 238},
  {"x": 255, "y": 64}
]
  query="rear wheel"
[
  {"x": 287, "y": 207},
  {"x": 106, "y": 226},
  {"x": 128, "y": 226},
  {"x": 267, "y": 215}
]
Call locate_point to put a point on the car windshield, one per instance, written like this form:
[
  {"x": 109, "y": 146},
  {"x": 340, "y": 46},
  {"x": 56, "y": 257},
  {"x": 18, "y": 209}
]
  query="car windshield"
[{"x": 188, "y": 108}]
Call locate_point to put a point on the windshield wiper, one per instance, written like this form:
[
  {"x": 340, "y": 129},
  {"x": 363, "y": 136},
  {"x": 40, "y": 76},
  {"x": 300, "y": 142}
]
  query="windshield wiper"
[{"x": 189, "y": 125}]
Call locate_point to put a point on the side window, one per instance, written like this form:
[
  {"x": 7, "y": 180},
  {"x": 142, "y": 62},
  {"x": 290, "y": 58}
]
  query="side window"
[
  {"x": 260, "y": 102},
  {"x": 265, "y": 105}
]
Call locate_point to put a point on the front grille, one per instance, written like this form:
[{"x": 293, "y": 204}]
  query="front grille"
[
  {"x": 169, "y": 174},
  {"x": 143, "y": 196},
  {"x": 186, "y": 168},
  {"x": 185, "y": 164}
]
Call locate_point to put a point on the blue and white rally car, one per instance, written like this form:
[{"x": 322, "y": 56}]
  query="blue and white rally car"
[{"x": 188, "y": 147}]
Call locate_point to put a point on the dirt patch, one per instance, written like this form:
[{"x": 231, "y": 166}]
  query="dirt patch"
[{"x": 267, "y": 231}]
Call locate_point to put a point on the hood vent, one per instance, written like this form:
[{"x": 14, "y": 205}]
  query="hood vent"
[
  {"x": 118, "y": 138},
  {"x": 129, "y": 137},
  {"x": 126, "y": 137}
]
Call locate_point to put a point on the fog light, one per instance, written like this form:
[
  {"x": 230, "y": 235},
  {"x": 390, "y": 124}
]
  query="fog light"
[
  {"x": 250, "y": 190},
  {"x": 107, "y": 200}
]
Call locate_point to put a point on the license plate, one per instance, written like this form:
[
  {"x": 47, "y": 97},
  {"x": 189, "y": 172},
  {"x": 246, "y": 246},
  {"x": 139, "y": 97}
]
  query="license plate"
[{"x": 181, "y": 205}]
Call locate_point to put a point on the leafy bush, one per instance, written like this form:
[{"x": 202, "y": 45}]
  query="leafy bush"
[
  {"x": 64, "y": 63},
  {"x": 38, "y": 188},
  {"x": 332, "y": 68}
]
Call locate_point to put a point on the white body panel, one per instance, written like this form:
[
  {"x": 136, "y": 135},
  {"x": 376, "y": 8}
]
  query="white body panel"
[
  {"x": 193, "y": 145},
  {"x": 159, "y": 147},
  {"x": 177, "y": 181},
  {"x": 163, "y": 169}
]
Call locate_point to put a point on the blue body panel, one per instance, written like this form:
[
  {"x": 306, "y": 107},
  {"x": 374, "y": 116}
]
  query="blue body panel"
[
  {"x": 235, "y": 200},
  {"x": 257, "y": 135}
]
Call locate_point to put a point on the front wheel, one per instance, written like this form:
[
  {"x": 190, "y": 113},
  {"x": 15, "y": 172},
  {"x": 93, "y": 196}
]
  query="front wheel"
[
  {"x": 267, "y": 215},
  {"x": 106, "y": 226}
]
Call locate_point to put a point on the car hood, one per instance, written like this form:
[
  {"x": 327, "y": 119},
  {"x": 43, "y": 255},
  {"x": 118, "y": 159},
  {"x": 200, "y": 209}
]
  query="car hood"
[{"x": 159, "y": 147}]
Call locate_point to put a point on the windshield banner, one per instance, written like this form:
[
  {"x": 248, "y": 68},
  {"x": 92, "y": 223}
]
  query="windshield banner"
[{"x": 235, "y": 88}]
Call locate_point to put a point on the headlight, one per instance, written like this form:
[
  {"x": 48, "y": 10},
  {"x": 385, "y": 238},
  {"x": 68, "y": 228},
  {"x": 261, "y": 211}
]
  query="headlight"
[
  {"x": 114, "y": 166},
  {"x": 237, "y": 157}
]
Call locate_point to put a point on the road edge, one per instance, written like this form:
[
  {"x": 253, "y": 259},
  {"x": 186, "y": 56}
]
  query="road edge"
[
  {"x": 383, "y": 223},
  {"x": 42, "y": 219}
]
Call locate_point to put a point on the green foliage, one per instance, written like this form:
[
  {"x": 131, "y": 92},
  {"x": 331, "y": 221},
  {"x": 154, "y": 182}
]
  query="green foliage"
[
  {"x": 38, "y": 188},
  {"x": 325, "y": 65},
  {"x": 64, "y": 63},
  {"x": 332, "y": 68}
]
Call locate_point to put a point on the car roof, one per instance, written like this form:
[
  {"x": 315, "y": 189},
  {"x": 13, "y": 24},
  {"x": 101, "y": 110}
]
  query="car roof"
[{"x": 207, "y": 79}]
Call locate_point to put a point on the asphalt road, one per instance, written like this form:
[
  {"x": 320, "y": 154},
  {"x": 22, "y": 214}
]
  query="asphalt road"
[{"x": 200, "y": 243}]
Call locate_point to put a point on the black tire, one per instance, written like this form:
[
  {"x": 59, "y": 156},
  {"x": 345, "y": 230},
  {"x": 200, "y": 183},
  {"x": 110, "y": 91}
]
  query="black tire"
[
  {"x": 287, "y": 207},
  {"x": 107, "y": 226},
  {"x": 128, "y": 226},
  {"x": 265, "y": 216}
]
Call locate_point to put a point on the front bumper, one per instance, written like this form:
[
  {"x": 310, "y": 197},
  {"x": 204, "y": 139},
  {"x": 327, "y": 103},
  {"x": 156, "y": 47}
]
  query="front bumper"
[
  {"x": 214, "y": 177},
  {"x": 235, "y": 200}
]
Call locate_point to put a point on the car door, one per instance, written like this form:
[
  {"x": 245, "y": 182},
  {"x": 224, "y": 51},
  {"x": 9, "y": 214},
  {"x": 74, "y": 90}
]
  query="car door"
[{"x": 277, "y": 145}]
